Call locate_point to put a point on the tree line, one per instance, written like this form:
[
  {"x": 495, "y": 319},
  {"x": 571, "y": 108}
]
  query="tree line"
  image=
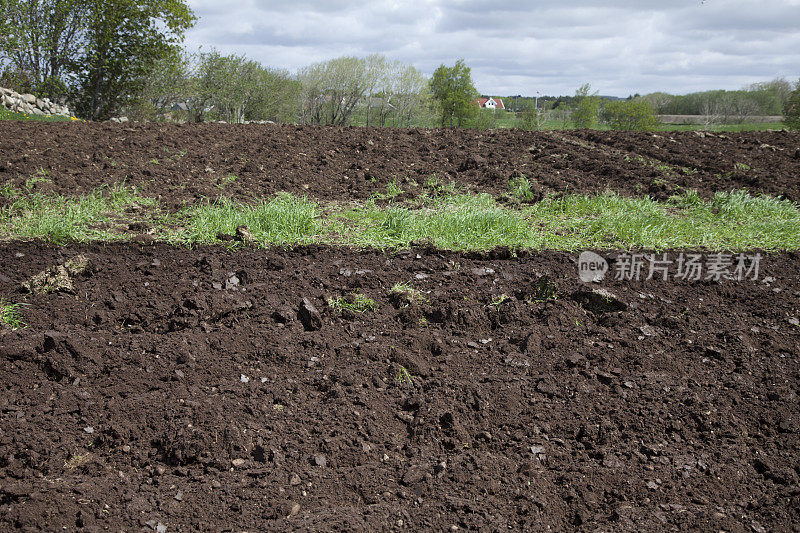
[
  {"x": 111, "y": 57},
  {"x": 96, "y": 53}
]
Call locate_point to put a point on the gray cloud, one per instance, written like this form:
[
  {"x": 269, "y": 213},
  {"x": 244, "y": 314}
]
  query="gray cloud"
[{"x": 518, "y": 47}]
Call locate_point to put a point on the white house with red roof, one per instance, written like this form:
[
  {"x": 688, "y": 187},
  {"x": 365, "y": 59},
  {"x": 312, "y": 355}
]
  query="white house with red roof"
[{"x": 490, "y": 103}]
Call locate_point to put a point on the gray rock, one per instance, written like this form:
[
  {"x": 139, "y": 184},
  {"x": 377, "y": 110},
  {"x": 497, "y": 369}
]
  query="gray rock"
[
  {"x": 600, "y": 301},
  {"x": 244, "y": 234},
  {"x": 309, "y": 315}
]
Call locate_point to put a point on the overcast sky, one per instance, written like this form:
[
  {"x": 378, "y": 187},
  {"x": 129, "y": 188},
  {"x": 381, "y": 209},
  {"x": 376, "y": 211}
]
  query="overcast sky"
[{"x": 518, "y": 47}]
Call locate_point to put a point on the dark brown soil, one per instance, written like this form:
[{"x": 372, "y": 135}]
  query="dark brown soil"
[
  {"x": 177, "y": 390},
  {"x": 182, "y": 163}
]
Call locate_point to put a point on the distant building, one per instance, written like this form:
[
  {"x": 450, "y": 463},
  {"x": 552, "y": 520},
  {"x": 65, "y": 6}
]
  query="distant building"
[{"x": 490, "y": 103}]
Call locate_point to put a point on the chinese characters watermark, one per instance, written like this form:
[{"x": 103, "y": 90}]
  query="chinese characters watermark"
[{"x": 716, "y": 266}]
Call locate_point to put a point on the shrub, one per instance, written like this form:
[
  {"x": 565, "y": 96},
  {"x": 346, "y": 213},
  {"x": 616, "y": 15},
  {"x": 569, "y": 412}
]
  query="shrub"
[
  {"x": 484, "y": 120},
  {"x": 630, "y": 115},
  {"x": 585, "y": 113},
  {"x": 791, "y": 110}
]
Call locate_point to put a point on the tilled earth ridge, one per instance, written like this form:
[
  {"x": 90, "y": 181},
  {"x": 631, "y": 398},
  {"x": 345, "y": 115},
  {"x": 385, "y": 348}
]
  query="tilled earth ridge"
[
  {"x": 181, "y": 164},
  {"x": 178, "y": 389}
]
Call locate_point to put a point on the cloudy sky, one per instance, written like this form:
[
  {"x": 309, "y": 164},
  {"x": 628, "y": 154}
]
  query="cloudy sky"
[{"x": 525, "y": 47}]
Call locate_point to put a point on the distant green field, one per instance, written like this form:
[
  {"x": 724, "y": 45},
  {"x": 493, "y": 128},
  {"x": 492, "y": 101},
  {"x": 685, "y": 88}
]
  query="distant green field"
[{"x": 502, "y": 119}]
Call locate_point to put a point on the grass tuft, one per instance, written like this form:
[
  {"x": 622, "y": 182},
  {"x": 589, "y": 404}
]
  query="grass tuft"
[
  {"x": 11, "y": 315},
  {"x": 520, "y": 188},
  {"x": 357, "y": 303},
  {"x": 404, "y": 294}
]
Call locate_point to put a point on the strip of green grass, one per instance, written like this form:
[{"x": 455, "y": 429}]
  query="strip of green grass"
[
  {"x": 62, "y": 219},
  {"x": 450, "y": 220},
  {"x": 730, "y": 221},
  {"x": 5, "y": 114}
]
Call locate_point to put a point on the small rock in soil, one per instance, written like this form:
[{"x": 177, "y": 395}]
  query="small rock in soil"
[
  {"x": 244, "y": 234},
  {"x": 232, "y": 283},
  {"x": 320, "y": 460},
  {"x": 574, "y": 359},
  {"x": 648, "y": 331},
  {"x": 413, "y": 475},
  {"x": 600, "y": 301},
  {"x": 309, "y": 315}
]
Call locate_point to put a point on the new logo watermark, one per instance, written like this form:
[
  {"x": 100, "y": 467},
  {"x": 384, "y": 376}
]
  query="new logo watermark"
[{"x": 592, "y": 267}]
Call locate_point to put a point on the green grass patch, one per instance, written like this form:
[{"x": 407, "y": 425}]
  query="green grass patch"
[
  {"x": 11, "y": 315},
  {"x": 61, "y": 219},
  {"x": 285, "y": 219},
  {"x": 404, "y": 294},
  {"x": 223, "y": 182},
  {"x": 735, "y": 220},
  {"x": 356, "y": 302},
  {"x": 455, "y": 222},
  {"x": 730, "y": 221}
]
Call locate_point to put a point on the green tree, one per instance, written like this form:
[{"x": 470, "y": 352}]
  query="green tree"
[
  {"x": 125, "y": 40},
  {"x": 39, "y": 42},
  {"x": 532, "y": 118},
  {"x": 586, "y": 109},
  {"x": 332, "y": 89},
  {"x": 772, "y": 95},
  {"x": 658, "y": 100},
  {"x": 791, "y": 110},
  {"x": 410, "y": 94},
  {"x": 228, "y": 87},
  {"x": 170, "y": 82},
  {"x": 636, "y": 114},
  {"x": 453, "y": 91},
  {"x": 277, "y": 97}
]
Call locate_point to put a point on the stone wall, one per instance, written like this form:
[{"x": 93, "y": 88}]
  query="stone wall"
[{"x": 28, "y": 103}]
